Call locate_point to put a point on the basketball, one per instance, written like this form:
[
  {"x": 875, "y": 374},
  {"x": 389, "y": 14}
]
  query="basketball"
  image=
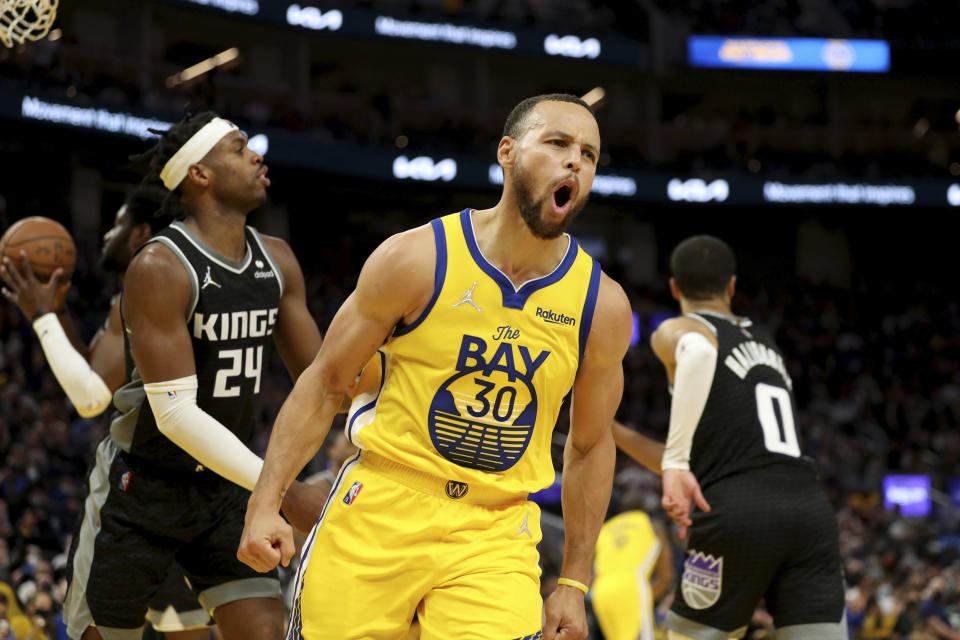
[{"x": 47, "y": 243}]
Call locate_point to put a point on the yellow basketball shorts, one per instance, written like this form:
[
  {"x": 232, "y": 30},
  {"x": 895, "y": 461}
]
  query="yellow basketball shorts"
[
  {"x": 393, "y": 541},
  {"x": 623, "y": 604}
]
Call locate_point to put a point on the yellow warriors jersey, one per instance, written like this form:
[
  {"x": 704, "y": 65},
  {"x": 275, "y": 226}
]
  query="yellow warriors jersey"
[
  {"x": 626, "y": 554},
  {"x": 470, "y": 391},
  {"x": 627, "y": 542}
]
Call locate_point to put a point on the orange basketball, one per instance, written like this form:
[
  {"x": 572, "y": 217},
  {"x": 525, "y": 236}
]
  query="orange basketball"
[{"x": 47, "y": 243}]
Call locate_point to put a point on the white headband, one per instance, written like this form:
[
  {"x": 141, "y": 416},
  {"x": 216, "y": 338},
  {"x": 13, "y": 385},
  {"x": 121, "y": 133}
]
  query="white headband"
[{"x": 193, "y": 151}]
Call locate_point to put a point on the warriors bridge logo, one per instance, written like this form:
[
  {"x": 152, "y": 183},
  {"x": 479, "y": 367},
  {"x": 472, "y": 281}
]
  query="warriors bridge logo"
[{"x": 483, "y": 416}]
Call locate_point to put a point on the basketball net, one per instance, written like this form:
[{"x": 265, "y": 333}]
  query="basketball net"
[{"x": 22, "y": 20}]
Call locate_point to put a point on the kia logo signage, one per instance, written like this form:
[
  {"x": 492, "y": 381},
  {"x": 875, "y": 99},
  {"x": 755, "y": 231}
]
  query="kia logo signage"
[
  {"x": 953, "y": 195},
  {"x": 313, "y": 18},
  {"x": 571, "y": 46},
  {"x": 424, "y": 168},
  {"x": 697, "y": 190}
]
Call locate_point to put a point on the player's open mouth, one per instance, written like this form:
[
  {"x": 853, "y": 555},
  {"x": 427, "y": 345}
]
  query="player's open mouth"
[
  {"x": 563, "y": 197},
  {"x": 262, "y": 175}
]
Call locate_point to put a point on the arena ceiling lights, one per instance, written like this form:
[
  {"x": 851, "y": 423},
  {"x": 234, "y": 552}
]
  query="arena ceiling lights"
[
  {"x": 477, "y": 172},
  {"x": 323, "y": 19}
]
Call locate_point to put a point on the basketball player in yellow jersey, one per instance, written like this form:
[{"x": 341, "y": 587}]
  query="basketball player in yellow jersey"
[
  {"x": 632, "y": 569},
  {"x": 487, "y": 319}
]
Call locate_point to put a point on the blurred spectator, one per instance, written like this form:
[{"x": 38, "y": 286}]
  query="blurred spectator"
[
  {"x": 6, "y": 627},
  {"x": 933, "y": 612},
  {"x": 42, "y": 609}
]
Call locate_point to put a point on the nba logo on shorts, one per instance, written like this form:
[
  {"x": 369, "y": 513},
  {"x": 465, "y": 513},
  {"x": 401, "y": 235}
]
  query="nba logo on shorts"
[
  {"x": 352, "y": 493},
  {"x": 702, "y": 580},
  {"x": 125, "y": 480}
]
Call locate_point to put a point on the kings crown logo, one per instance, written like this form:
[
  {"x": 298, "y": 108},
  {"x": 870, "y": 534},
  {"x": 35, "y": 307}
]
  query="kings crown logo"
[{"x": 702, "y": 580}]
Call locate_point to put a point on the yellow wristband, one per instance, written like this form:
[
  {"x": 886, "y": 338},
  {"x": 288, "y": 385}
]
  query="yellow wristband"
[{"x": 576, "y": 584}]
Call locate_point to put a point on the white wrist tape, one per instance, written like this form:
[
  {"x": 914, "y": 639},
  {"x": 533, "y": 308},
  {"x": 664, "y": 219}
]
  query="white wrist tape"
[
  {"x": 178, "y": 417},
  {"x": 86, "y": 390},
  {"x": 696, "y": 364}
]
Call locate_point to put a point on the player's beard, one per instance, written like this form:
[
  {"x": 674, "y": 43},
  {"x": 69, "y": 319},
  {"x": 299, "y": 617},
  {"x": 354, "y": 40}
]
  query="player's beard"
[{"x": 532, "y": 210}]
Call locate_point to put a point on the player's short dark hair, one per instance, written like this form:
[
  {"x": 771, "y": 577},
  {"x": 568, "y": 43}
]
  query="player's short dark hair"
[
  {"x": 702, "y": 267},
  {"x": 144, "y": 206},
  {"x": 514, "y": 126},
  {"x": 157, "y": 156}
]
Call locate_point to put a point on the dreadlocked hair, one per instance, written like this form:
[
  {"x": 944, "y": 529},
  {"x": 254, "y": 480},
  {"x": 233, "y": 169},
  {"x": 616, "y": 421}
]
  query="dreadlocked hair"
[
  {"x": 144, "y": 204},
  {"x": 156, "y": 157}
]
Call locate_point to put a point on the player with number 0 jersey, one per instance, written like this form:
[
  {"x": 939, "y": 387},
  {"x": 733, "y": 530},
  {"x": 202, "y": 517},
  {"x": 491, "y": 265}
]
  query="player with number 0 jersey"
[{"x": 764, "y": 528}]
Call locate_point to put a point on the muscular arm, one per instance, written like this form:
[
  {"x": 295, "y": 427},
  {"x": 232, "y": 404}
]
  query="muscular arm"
[
  {"x": 295, "y": 334},
  {"x": 154, "y": 304},
  {"x": 646, "y": 451},
  {"x": 590, "y": 451},
  {"x": 589, "y": 456},
  {"x": 106, "y": 353},
  {"x": 663, "y": 572},
  {"x": 688, "y": 350},
  {"x": 395, "y": 285},
  {"x": 42, "y": 303}
]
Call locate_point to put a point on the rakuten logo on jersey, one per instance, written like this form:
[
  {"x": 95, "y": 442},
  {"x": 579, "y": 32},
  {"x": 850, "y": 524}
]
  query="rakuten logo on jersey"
[
  {"x": 313, "y": 18},
  {"x": 571, "y": 46},
  {"x": 424, "y": 168},
  {"x": 696, "y": 190}
]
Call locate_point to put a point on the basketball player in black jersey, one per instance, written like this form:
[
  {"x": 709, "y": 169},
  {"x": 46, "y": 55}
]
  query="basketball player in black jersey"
[
  {"x": 202, "y": 300},
  {"x": 764, "y": 528},
  {"x": 90, "y": 374}
]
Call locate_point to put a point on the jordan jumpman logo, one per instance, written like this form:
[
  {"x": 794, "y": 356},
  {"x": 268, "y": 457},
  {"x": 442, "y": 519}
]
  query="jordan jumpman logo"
[
  {"x": 207, "y": 280},
  {"x": 468, "y": 299},
  {"x": 523, "y": 527}
]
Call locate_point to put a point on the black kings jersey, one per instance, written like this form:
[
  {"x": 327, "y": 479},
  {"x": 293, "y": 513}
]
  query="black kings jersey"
[
  {"x": 749, "y": 420},
  {"x": 230, "y": 320}
]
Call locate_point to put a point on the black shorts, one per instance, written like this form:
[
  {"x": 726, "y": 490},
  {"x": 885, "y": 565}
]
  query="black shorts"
[
  {"x": 140, "y": 522},
  {"x": 771, "y": 533},
  {"x": 175, "y": 607}
]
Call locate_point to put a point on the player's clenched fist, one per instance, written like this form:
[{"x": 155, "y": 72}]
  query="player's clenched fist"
[
  {"x": 267, "y": 540},
  {"x": 565, "y": 617}
]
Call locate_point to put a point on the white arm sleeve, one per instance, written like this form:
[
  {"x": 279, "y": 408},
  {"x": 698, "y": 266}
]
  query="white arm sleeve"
[
  {"x": 174, "y": 405},
  {"x": 696, "y": 364},
  {"x": 86, "y": 390}
]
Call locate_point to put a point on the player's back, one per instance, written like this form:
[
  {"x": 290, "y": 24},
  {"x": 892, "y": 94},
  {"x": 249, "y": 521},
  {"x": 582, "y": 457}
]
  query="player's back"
[{"x": 749, "y": 421}]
